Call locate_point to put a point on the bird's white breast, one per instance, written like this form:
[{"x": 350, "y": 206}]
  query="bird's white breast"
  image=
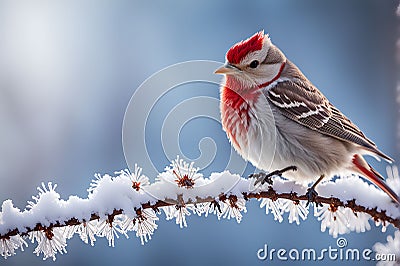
[
  {"x": 270, "y": 141},
  {"x": 250, "y": 126}
]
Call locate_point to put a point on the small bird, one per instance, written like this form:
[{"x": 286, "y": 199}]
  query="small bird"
[{"x": 275, "y": 117}]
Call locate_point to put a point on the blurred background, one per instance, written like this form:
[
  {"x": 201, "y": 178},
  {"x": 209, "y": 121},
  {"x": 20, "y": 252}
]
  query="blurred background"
[{"x": 69, "y": 68}]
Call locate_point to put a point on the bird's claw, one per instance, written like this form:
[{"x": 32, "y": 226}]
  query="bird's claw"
[
  {"x": 312, "y": 197},
  {"x": 312, "y": 194},
  {"x": 263, "y": 178}
]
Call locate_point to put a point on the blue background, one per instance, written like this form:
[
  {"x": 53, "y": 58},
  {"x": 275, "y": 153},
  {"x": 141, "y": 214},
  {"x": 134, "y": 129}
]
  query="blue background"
[{"x": 69, "y": 68}]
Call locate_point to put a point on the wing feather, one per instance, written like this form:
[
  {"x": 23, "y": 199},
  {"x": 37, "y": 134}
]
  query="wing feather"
[{"x": 305, "y": 104}]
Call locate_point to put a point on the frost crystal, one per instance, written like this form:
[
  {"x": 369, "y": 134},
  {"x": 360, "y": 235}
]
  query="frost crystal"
[
  {"x": 233, "y": 207},
  {"x": 87, "y": 231},
  {"x": 392, "y": 247},
  {"x": 383, "y": 224},
  {"x": 95, "y": 183},
  {"x": 213, "y": 207},
  {"x": 227, "y": 208},
  {"x": 341, "y": 220},
  {"x": 186, "y": 174},
  {"x": 296, "y": 210},
  {"x": 334, "y": 219},
  {"x": 43, "y": 190},
  {"x": 69, "y": 231},
  {"x": 8, "y": 246},
  {"x": 358, "y": 222},
  {"x": 49, "y": 243},
  {"x": 177, "y": 212},
  {"x": 272, "y": 205},
  {"x": 199, "y": 208},
  {"x": 109, "y": 229},
  {"x": 138, "y": 180},
  {"x": 144, "y": 223}
]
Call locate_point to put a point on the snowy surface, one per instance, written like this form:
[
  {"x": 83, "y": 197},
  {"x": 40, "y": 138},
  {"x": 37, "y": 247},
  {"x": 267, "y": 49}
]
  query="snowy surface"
[{"x": 183, "y": 191}]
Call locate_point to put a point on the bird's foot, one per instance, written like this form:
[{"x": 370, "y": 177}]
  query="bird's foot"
[
  {"x": 312, "y": 194},
  {"x": 263, "y": 178}
]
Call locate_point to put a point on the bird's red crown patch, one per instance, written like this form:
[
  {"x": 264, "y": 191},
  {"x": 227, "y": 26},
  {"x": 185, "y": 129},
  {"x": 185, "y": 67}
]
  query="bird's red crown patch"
[{"x": 241, "y": 49}]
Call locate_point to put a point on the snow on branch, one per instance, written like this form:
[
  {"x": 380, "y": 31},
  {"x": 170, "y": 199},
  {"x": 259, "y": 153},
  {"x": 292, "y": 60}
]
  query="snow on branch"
[{"x": 128, "y": 202}]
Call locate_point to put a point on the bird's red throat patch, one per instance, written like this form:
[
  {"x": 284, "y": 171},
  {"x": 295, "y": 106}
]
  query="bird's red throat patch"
[{"x": 236, "y": 106}]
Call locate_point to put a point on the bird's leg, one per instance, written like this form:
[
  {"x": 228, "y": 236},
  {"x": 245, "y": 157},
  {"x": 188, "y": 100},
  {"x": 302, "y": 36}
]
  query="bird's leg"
[
  {"x": 312, "y": 194},
  {"x": 266, "y": 178}
]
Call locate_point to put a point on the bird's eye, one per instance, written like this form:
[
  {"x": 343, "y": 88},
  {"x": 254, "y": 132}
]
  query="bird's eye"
[{"x": 254, "y": 64}]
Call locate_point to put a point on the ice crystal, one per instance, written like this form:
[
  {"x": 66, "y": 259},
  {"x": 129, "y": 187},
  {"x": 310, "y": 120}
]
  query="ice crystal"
[
  {"x": 295, "y": 209},
  {"x": 8, "y": 246},
  {"x": 144, "y": 224},
  {"x": 49, "y": 246},
  {"x": 95, "y": 183},
  {"x": 126, "y": 223},
  {"x": 70, "y": 230},
  {"x": 341, "y": 220},
  {"x": 334, "y": 219},
  {"x": 179, "y": 212},
  {"x": 43, "y": 190},
  {"x": 272, "y": 205},
  {"x": 199, "y": 208},
  {"x": 381, "y": 223},
  {"x": 87, "y": 231},
  {"x": 109, "y": 229},
  {"x": 185, "y": 174},
  {"x": 213, "y": 207},
  {"x": 232, "y": 208},
  {"x": 138, "y": 179},
  {"x": 358, "y": 222}
]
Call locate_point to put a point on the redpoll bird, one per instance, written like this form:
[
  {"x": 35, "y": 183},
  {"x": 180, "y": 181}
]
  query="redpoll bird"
[{"x": 268, "y": 104}]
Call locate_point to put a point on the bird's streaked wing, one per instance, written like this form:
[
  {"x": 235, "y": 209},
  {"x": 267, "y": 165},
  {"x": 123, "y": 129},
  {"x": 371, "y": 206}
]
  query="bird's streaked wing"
[{"x": 305, "y": 104}]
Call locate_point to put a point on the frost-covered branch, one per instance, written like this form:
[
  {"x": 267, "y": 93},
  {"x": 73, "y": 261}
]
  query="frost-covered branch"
[{"x": 128, "y": 202}]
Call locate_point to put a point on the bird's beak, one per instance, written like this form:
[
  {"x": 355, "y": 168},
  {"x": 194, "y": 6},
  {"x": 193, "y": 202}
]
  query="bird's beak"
[{"x": 227, "y": 69}]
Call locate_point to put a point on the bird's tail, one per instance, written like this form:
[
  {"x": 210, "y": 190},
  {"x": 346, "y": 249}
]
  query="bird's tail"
[{"x": 362, "y": 167}]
